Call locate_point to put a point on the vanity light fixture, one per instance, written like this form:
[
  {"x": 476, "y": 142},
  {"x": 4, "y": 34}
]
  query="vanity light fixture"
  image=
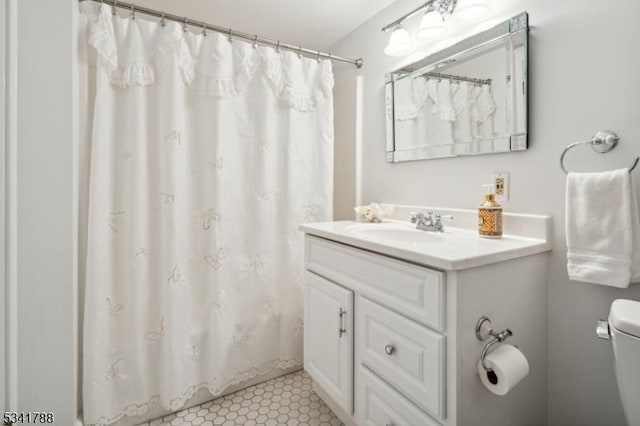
[
  {"x": 399, "y": 42},
  {"x": 432, "y": 25},
  {"x": 470, "y": 10}
]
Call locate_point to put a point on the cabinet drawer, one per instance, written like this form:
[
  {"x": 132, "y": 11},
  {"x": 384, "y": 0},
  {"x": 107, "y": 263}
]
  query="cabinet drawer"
[
  {"x": 415, "y": 291},
  {"x": 381, "y": 405},
  {"x": 407, "y": 355}
]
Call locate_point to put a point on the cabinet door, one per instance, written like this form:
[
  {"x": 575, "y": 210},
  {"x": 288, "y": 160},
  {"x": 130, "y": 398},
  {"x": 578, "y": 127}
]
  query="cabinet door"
[{"x": 328, "y": 338}]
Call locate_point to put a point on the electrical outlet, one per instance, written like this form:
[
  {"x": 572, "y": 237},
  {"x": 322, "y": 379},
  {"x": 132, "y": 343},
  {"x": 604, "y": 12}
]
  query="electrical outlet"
[{"x": 501, "y": 185}]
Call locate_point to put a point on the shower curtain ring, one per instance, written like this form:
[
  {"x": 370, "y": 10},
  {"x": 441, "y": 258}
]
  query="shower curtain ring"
[
  {"x": 229, "y": 35},
  {"x": 184, "y": 25},
  {"x": 278, "y": 46},
  {"x": 163, "y": 23},
  {"x": 204, "y": 29},
  {"x": 255, "y": 41},
  {"x": 133, "y": 12},
  {"x": 113, "y": 8},
  {"x": 318, "y": 58},
  {"x": 300, "y": 52}
]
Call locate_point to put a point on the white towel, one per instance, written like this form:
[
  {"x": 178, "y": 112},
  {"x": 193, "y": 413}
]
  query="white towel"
[
  {"x": 602, "y": 228},
  {"x": 635, "y": 229}
]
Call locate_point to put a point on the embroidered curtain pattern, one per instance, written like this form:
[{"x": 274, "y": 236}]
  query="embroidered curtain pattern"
[{"x": 206, "y": 156}]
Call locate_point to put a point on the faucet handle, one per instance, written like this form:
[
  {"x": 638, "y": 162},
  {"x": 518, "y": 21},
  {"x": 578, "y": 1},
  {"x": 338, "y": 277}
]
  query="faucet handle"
[
  {"x": 415, "y": 216},
  {"x": 438, "y": 221}
]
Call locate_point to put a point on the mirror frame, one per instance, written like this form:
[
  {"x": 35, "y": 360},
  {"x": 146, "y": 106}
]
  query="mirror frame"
[{"x": 518, "y": 142}]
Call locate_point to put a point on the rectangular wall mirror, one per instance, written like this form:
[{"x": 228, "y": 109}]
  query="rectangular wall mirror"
[{"x": 468, "y": 99}]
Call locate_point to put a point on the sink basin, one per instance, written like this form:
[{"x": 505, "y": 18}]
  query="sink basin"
[{"x": 393, "y": 232}]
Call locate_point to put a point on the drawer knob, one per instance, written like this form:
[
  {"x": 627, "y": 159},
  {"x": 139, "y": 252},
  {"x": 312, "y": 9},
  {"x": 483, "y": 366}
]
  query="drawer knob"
[{"x": 389, "y": 349}]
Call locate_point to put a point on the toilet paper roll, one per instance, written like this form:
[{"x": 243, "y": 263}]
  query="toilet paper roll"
[{"x": 509, "y": 366}]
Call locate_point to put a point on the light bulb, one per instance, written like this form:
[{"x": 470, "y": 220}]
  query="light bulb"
[
  {"x": 432, "y": 25},
  {"x": 470, "y": 10},
  {"x": 399, "y": 42}
]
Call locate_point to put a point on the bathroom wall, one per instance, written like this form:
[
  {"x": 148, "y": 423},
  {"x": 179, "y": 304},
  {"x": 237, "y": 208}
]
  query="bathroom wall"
[
  {"x": 41, "y": 204},
  {"x": 583, "y": 78},
  {"x": 347, "y": 144},
  {"x": 3, "y": 303}
]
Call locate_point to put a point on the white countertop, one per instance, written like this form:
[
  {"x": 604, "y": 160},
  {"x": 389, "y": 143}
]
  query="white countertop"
[{"x": 455, "y": 249}]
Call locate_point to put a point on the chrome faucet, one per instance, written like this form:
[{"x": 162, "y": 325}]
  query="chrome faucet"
[{"x": 429, "y": 222}]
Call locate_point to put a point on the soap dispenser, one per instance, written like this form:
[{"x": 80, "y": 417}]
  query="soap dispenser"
[{"x": 490, "y": 215}]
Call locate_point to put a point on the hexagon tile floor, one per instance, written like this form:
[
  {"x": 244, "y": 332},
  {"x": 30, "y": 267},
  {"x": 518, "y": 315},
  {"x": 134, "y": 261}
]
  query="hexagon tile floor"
[{"x": 286, "y": 400}]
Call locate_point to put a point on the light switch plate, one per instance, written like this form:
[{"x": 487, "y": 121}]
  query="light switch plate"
[{"x": 501, "y": 185}]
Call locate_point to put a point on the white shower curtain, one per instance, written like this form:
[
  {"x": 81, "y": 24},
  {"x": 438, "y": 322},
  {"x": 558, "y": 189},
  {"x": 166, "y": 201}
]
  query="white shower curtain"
[{"x": 206, "y": 156}]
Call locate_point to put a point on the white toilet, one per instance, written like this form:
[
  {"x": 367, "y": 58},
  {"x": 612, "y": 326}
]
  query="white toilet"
[{"x": 623, "y": 328}]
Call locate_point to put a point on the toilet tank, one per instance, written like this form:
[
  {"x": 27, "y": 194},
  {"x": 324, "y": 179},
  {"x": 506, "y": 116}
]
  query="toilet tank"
[{"x": 624, "y": 325}]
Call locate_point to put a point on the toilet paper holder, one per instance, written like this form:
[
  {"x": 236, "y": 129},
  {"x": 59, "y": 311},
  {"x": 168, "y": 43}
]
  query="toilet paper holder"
[{"x": 483, "y": 332}]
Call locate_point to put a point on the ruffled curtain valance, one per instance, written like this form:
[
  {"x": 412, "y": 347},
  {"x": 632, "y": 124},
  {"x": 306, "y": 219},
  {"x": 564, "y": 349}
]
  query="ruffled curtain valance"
[
  {"x": 213, "y": 66},
  {"x": 135, "y": 52},
  {"x": 417, "y": 96}
]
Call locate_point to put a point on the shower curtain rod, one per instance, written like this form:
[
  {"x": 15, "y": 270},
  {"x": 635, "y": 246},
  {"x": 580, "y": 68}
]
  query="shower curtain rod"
[
  {"x": 458, "y": 78},
  {"x": 228, "y": 31}
]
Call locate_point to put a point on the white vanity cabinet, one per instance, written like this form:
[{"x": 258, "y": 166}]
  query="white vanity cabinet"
[
  {"x": 395, "y": 303},
  {"x": 391, "y": 342}
]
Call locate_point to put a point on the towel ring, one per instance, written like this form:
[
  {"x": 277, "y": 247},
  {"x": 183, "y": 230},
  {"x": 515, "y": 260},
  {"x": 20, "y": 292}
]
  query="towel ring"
[{"x": 602, "y": 142}]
